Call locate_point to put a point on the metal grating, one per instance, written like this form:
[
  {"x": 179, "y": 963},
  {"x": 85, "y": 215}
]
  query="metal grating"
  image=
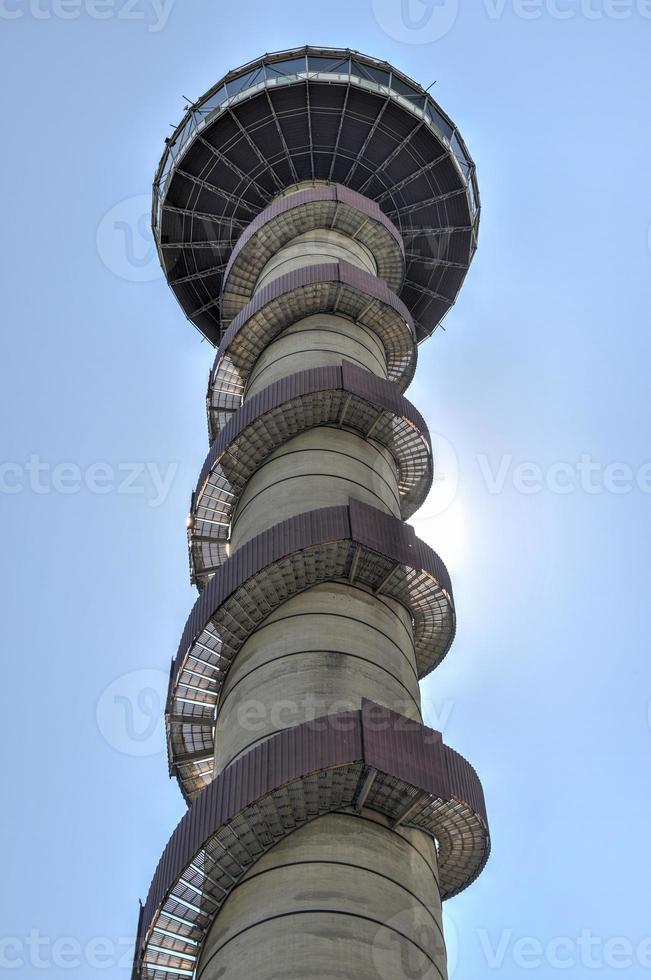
[
  {"x": 294, "y": 777},
  {"x": 338, "y": 288},
  {"x": 334, "y": 208},
  {"x": 346, "y": 396},
  {"x": 314, "y": 547}
]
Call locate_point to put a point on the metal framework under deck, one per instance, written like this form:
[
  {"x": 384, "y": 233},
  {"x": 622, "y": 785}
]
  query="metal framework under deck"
[{"x": 315, "y": 114}]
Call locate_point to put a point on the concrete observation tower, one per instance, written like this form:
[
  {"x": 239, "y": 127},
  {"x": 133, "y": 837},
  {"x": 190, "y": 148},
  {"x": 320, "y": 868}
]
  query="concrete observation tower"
[{"x": 315, "y": 213}]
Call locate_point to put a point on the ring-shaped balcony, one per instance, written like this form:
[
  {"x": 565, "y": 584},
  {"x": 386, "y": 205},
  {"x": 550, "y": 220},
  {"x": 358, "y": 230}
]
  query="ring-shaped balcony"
[
  {"x": 333, "y": 209},
  {"x": 357, "y": 544},
  {"x": 347, "y": 397},
  {"x": 338, "y": 288},
  {"x": 371, "y": 758}
]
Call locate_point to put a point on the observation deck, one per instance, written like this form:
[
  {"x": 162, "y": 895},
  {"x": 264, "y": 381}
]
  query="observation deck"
[{"x": 315, "y": 114}]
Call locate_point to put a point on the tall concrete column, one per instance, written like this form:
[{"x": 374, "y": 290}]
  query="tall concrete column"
[
  {"x": 343, "y": 896},
  {"x": 326, "y": 649}
]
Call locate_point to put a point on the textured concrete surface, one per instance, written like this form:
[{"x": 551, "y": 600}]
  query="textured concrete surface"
[
  {"x": 313, "y": 248},
  {"x": 320, "y": 653},
  {"x": 317, "y": 341},
  {"x": 323, "y": 467},
  {"x": 343, "y": 897}
]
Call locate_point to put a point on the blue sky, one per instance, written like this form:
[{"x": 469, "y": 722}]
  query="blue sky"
[{"x": 538, "y": 389}]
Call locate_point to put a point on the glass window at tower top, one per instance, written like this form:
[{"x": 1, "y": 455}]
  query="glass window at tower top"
[{"x": 351, "y": 70}]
